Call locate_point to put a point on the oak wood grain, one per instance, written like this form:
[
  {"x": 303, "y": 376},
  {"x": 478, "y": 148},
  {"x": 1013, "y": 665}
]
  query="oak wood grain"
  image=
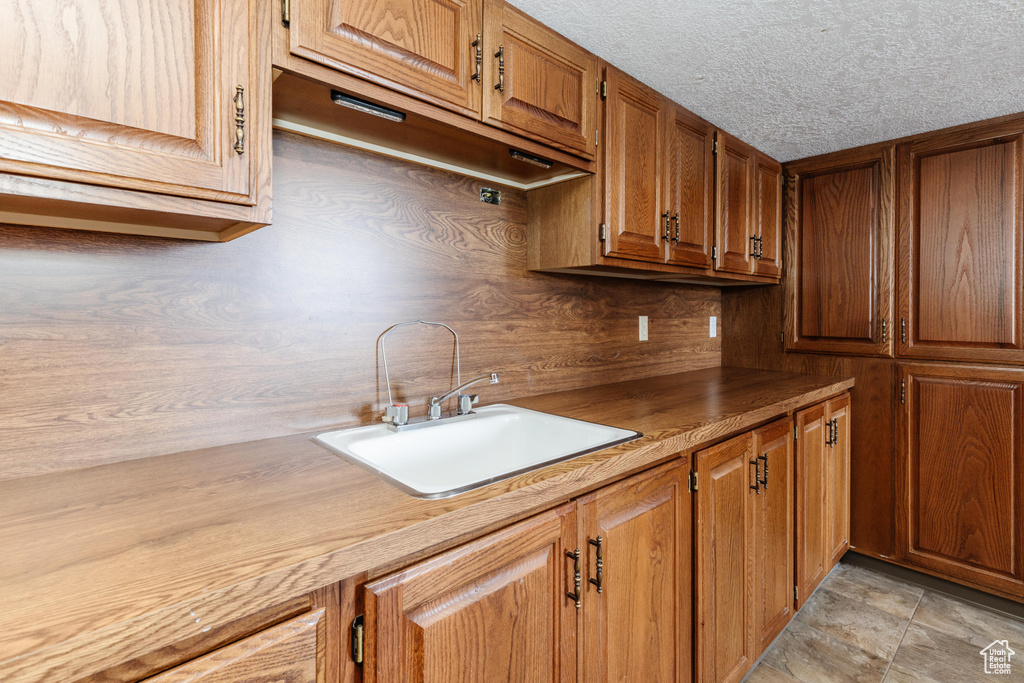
[
  {"x": 837, "y": 504},
  {"x": 155, "y": 346},
  {"x": 421, "y": 47},
  {"x": 168, "y": 539},
  {"x": 961, "y": 235},
  {"x": 728, "y": 641},
  {"x": 774, "y": 531},
  {"x": 286, "y": 653},
  {"x": 734, "y": 196},
  {"x": 812, "y": 485},
  {"x": 549, "y": 88},
  {"x": 960, "y": 484},
  {"x": 690, "y": 184},
  {"x": 767, "y": 215},
  {"x": 639, "y": 626}
]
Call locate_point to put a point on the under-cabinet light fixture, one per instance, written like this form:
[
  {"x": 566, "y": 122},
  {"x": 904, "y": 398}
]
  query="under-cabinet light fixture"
[
  {"x": 529, "y": 158},
  {"x": 366, "y": 107}
]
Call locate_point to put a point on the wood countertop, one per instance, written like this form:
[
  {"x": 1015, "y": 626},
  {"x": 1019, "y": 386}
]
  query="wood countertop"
[{"x": 103, "y": 564}]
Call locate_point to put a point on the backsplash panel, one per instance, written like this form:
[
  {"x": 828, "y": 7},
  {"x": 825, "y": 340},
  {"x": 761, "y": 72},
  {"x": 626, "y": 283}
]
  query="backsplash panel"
[{"x": 118, "y": 347}]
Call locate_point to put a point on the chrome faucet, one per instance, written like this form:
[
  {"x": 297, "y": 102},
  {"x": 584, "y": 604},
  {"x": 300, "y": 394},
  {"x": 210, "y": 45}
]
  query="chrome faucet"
[
  {"x": 466, "y": 401},
  {"x": 396, "y": 415}
]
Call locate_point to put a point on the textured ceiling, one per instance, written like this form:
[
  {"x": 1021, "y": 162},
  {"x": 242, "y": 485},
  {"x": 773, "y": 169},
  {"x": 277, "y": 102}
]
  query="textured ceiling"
[{"x": 802, "y": 77}]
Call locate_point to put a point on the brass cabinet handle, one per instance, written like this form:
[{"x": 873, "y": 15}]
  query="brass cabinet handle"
[
  {"x": 676, "y": 220},
  {"x": 239, "y": 101},
  {"x": 599, "y": 581},
  {"x": 665, "y": 235},
  {"x": 764, "y": 471},
  {"x": 577, "y": 578},
  {"x": 478, "y": 44},
  {"x": 500, "y": 54},
  {"x": 757, "y": 476}
]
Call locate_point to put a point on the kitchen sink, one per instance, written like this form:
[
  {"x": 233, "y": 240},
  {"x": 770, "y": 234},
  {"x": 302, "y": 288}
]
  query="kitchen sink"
[{"x": 445, "y": 458}]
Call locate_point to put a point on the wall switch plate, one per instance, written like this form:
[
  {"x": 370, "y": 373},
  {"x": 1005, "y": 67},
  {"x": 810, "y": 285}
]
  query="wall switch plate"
[
  {"x": 713, "y": 326},
  {"x": 643, "y": 328}
]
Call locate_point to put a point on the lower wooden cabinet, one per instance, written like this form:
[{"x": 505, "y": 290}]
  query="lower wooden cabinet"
[
  {"x": 822, "y": 492},
  {"x": 636, "y": 609},
  {"x": 609, "y": 573},
  {"x": 744, "y": 543},
  {"x": 960, "y": 488}
]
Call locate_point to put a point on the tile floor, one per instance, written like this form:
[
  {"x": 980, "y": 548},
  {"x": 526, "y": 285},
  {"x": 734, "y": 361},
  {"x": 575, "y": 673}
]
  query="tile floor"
[{"x": 864, "y": 626}]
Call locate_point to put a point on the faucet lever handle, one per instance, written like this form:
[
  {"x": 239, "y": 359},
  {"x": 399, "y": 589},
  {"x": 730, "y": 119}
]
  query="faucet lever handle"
[
  {"x": 397, "y": 414},
  {"x": 466, "y": 403}
]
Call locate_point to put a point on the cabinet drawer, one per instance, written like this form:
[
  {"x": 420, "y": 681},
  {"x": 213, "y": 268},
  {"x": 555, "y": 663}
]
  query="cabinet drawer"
[{"x": 286, "y": 653}]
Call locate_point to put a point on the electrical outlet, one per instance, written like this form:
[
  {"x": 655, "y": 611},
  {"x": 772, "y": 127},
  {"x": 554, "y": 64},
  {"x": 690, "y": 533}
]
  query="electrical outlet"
[
  {"x": 713, "y": 326},
  {"x": 643, "y": 328}
]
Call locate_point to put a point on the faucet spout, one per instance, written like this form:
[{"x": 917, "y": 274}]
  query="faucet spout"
[{"x": 436, "y": 401}]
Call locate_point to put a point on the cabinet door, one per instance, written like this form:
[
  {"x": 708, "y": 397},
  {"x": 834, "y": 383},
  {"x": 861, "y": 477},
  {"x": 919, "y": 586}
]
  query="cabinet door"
[
  {"x": 538, "y": 83},
  {"x": 961, "y": 245},
  {"x": 634, "y": 159},
  {"x": 424, "y": 48},
  {"x": 767, "y": 206},
  {"x": 960, "y": 484},
  {"x": 135, "y": 95},
  {"x": 839, "y": 228},
  {"x": 727, "y": 644},
  {"x": 773, "y": 530},
  {"x": 690, "y": 184},
  {"x": 638, "y": 592},
  {"x": 811, "y": 492},
  {"x": 495, "y": 609},
  {"x": 286, "y": 653},
  {"x": 838, "y": 478},
  {"x": 734, "y": 228}
]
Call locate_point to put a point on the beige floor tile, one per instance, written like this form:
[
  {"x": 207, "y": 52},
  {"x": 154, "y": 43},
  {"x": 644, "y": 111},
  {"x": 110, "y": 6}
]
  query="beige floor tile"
[
  {"x": 898, "y": 674},
  {"x": 880, "y": 591},
  {"x": 811, "y": 656},
  {"x": 855, "y": 622},
  {"x": 763, "y": 673},
  {"x": 933, "y": 655},
  {"x": 969, "y": 622}
]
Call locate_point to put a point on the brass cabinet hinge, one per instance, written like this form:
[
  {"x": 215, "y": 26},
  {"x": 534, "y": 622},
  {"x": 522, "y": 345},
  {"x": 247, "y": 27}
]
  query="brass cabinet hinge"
[
  {"x": 714, "y": 253},
  {"x": 796, "y": 593},
  {"x": 903, "y": 330},
  {"x": 796, "y": 434},
  {"x": 604, "y": 90},
  {"x": 597, "y": 137},
  {"x": 602, "y": 232},
  {"x": 903, "y": 391},
  {"x": 714, "y": 147},
  {"x": 885, "y": 330},
  {"x": 286, "y": 12},
  {"x": 357, "y": 639},
  {"x": 693, "y": 481}
]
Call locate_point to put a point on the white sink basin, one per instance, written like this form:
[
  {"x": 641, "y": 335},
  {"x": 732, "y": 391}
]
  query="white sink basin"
[{"x": 444, "y": 459}]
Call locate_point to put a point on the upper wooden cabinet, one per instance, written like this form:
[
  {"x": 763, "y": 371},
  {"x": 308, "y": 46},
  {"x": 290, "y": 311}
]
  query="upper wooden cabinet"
[
  {"x": 960, "y": 489},
  {"x": 961, "y": 245},
  {"x": 481, "y": 58},
  {"x": 537, "y": 83},
  {"x": 136, "y": 106},
  {"x": 636, "y": 215},
  {"x": 839, "y": 237},
  {"x": 426, "y": 48},
  {"x": 690, "y": 183},
  {"x": 748, "y": 209}
]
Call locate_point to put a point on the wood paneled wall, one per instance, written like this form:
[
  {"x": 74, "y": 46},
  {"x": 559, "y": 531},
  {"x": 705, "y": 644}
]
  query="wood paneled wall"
[
  {"x": 118, "y": 347},
  {"x": 752, "y": 338}
]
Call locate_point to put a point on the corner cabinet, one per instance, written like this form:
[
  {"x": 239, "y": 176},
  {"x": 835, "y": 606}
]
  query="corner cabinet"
[
  {"x": 173, "y": 140},
  {"x": 607, "y": 575},
  {"x": 839, "y": 236},
  {"x": 960, "y": 489}
]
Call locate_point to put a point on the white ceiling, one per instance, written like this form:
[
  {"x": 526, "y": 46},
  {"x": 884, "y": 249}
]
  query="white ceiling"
[{"x": 802, "y": 77}]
